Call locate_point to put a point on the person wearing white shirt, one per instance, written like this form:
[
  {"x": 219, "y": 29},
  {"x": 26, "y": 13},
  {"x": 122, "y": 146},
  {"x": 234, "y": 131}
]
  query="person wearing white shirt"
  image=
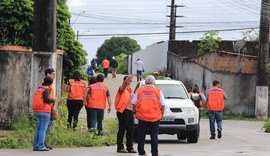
[{"x": 140, "y": 69}]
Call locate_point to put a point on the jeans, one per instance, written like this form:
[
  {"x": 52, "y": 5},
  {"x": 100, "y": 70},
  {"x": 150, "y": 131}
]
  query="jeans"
[
  {"x": 139, "y": 75},
  {"x": 105, "y": 71},
  {"x": 215, "y": 116},
  {"x": 125, "y": 123},
  {"x": 43, "y": 120},
  {"x": 142, "y": 130},
  {"x": 96, "y": 116},
  {"x": 74, "y": 108}
]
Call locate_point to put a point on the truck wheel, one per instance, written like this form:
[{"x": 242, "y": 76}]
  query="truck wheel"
[
  {"x": 193, "y": 135},
  {"x": 181, "y": 136}
]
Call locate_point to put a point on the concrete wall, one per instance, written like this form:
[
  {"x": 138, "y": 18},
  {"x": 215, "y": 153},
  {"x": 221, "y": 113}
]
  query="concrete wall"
[
  {"x": 240, "y": 87},
  {"x": 21, "y": 72},
  {"x": 15, "y": 68},
  {"x": 154, "y": 57}
]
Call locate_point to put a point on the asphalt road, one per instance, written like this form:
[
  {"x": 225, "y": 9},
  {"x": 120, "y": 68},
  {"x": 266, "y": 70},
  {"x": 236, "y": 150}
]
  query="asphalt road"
[{"x": 240, "y": 138}]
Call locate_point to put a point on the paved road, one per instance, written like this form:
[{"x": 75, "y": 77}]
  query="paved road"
[{"x": 240, "y": 138}]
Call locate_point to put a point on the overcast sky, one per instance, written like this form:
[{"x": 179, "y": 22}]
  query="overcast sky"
[{"x": 105, "y": 17}]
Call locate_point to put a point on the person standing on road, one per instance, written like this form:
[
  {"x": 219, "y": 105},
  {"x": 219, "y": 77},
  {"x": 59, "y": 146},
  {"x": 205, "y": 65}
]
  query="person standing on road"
[
  {"x": 197, "y": 98},
  {"x": 148, "y": 106},
  {"x": 105, "y": 65},
  {"x": 140, "y": 69},
  {"x": 42, "y": 104},
  {"x": 96, "y": 98},
  {"x": 125, "y": 116},
  {"x": 76, "y": 93},
  {"x": 215, "y": 106},
  {"x": 94, "y": 64},
  {"x": 114, "y": 65}
]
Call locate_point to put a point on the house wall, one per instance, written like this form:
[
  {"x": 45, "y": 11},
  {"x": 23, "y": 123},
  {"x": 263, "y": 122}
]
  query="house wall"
[
  {"x": 154, "y": 57},
  {"x": 240, "y": 87}
]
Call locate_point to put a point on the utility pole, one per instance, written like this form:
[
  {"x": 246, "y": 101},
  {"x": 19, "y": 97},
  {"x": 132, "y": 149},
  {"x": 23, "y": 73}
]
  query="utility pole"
[
  {"x": 77, "y": 35},
  {"x": 262, "y": 89},
  {"x": 172, "y": 21},
  {"x": 173, "y": 17}
]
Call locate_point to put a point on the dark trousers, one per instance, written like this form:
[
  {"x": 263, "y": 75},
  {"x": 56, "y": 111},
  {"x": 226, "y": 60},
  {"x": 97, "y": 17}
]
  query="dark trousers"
[
  {"x": 96, "y": 116},
  {"x": 125, "y": 123},
  {"x": 88, "y": 117},
  {"x": 74, "y": 107},
  {"x": 139, "y": 75},
  {"x": 105, "y": 71},
  {"x": 142, "y": 129}
]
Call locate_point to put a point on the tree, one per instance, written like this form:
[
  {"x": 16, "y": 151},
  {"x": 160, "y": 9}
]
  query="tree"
[
  {"x": 115, "y": 46},
  {"x": 209, "y": 42},
  {"x": 16, "y": 22}
]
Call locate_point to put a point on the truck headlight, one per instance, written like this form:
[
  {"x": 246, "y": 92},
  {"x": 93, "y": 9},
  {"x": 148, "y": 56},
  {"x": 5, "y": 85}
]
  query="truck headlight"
[{"x": 189, "y": 110}]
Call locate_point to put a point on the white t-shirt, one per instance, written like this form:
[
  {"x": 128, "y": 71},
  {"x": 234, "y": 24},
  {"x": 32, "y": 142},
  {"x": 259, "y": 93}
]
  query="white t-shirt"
[{"x": 140, "y": 66}]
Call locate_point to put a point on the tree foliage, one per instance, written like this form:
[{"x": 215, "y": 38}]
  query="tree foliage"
[
  {"x": 16, "y": 28},
  {"x": 115, "y": 46},
  {"x": 15, "y": 22},
  {"x": 209, "y": 42}
]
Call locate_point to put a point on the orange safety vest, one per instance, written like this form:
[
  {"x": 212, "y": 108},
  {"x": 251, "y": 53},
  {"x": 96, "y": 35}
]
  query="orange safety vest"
[
  {"x": 85, "y": 95},
  {"x": 215, "y": 98},
  {"x": 105, "y": 63},
  {"x": 38, "y": 104},
  {"x": 121, "y": 100},
  {"x": 98, "y": 96},
  {"x": 77, "y": 90},
  {"x": 148, "y": 104}
]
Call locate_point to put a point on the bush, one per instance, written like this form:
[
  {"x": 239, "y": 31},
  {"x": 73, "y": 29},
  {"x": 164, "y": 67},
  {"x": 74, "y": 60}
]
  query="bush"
[{"x": 267, "y": 125}]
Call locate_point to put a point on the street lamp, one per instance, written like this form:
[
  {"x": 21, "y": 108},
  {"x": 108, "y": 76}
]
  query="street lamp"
[{"x": 78, "y": 17}]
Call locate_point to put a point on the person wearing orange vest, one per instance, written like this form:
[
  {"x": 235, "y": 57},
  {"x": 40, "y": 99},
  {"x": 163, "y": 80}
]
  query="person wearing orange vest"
[
  {"x": 50, "y": 72},
  {"x": 148, "y": 106},
  {"x": 197, "y": 98},
  {"x": 125, "y": 116},
  {"x": 92, "y": 80},
  {"x": 96, "y": 98},
  {"x": 215, "y": 106},
  {"x": 42, "y": 104},
  {"x": 76, "y": 89},
  {"x": 105, "y": 65}
]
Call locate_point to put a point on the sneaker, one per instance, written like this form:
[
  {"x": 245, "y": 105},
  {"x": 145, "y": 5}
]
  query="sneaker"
[
  {"x": 44, "y": 149},
  {"x": 100, "y": 133},
  {"x": 48, "y": 146},
  {"x": 219, "y": 134},
  {"x": 212, "y": 137},
  {"x": 122, "y": 151},
  {"x": 132, "y": 151}
]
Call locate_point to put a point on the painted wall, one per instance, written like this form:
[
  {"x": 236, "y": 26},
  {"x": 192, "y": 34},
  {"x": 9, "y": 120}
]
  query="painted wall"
[{"x": 154, "y": 57}]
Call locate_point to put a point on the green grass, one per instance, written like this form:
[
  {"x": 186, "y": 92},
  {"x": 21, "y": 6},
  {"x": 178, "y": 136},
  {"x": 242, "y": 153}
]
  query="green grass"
[
  {"x": 23, "y": 130},
  {"x": 267, "y": 125},
  {"x": 227, "y": 116}
]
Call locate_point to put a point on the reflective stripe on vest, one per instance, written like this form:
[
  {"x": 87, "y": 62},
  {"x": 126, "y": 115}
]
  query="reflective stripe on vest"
[
  {"x": 77, "y": 90},
  {"x": 148, "y": 104},
  {"x": 215, "y": 99},
  {"x": 121, "y": 100},
  {"x": 38, "y": 104},
  {"x": 98, "y": 96}
]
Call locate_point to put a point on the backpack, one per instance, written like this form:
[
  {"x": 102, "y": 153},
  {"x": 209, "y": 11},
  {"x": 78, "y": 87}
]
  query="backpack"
[
  {"x": 196, "y": 99},
  {"x": 90, "y": 71},
  {"x": 114, "y": 63}
]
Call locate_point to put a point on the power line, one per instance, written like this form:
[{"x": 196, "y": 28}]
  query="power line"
[{"x": 161, "y": 33}]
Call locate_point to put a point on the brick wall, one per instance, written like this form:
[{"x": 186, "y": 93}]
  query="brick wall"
[{"x": 223, "y": 61}]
